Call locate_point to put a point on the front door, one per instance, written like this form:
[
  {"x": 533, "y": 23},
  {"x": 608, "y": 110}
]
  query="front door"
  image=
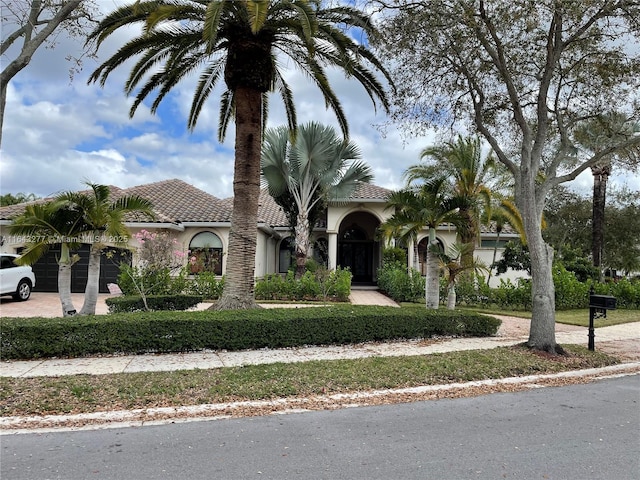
[{"x": 357, "y": 257}]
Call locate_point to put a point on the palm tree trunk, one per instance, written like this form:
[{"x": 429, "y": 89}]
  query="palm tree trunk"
[
  {"x": 600, "y": 176},
  {"x": 432, "y": 284},
  {"x": 240, "y": 282},
  {"x": 451, "y": 296},
  {"x": 64, "y": 281},
  {"x": 93, "y": 278},
  {"x": 302, "y": 242}
]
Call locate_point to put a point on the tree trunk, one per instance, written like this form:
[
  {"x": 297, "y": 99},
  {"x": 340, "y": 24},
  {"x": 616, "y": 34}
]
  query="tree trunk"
[
  {"x": 542, "y": 335},
  {"x": 432, "y": 284},
  {"x": 469, "y": 236},
  {"x": 240, "y": 273},
  {"x": 600, "y": 176},
  {"x": 302, "y": 243},
  {"x": 64, "y": 281},
  {"x": 93, "y": 279},
  {"x": 451, "y": 296}
]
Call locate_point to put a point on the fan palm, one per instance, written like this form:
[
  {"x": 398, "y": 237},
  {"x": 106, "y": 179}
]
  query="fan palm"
[
  {"x": 103, "y": 218},
  {"x": 238, "y": 41},
  {"x": 316, "y": 168},
  {"x": 49, "y": 224},
  {"x": 428, "y": 204}
]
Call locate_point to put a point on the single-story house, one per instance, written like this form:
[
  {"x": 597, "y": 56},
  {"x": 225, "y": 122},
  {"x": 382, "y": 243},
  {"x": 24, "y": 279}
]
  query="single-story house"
[{"x": 200, "y": 222}]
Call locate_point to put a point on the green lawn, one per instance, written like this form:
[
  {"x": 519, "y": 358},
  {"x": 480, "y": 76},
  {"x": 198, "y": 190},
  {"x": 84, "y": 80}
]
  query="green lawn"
[{"x": 572, "y": 317}]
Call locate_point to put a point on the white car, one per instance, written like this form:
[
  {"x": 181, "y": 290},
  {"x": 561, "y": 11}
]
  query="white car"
[{"x": 15, "y": 280}]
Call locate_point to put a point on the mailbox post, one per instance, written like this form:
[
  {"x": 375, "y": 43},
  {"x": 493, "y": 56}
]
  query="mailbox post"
[{"x": 598, "y": 306}]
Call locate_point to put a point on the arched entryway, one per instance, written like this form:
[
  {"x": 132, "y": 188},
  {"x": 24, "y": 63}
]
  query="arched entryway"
[{"x": 357, "y": 248}]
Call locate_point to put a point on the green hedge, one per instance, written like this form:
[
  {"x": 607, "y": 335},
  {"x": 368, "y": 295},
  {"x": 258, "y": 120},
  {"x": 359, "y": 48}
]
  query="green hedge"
[
  {"x": 134, "y": 303},
  {"x": 146, "y": 332}
]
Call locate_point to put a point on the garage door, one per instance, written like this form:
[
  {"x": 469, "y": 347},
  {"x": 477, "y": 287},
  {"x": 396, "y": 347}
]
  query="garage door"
[{"x": 46, "y": 270}]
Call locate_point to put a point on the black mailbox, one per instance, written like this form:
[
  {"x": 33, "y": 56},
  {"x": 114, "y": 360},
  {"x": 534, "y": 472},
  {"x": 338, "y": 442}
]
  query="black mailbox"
[{"x": 606, "y": 302}]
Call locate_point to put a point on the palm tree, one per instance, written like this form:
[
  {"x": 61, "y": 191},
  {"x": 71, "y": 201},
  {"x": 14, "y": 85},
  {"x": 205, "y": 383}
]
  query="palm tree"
[
  {"x": 48, "y": 224},
  {"x": 452, "y": 263},
  {"x": 315, "y": 168},
  {"x": 595, "y": 135},
  {"x": 238, "y": 41},
  {"x": 428, "y": 204},
  {"x": 470, "y": 173},
  {"x": 103, "y": 218}
]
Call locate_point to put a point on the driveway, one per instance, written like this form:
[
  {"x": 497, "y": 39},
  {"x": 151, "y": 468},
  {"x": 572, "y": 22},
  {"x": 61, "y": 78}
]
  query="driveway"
[{"x": 44, "y": 304}]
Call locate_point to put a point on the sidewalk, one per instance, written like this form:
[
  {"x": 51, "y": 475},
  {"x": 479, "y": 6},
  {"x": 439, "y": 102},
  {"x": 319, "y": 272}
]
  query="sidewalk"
[{"x": 623, "y": 340}]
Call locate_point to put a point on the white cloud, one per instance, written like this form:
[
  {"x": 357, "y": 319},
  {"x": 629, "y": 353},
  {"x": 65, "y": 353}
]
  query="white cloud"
[{"x": 58, "y": 133}]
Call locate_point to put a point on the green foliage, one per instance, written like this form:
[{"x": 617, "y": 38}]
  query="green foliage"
[
  {"x": 135, "y": 303},
  {"x": 515, "y": 256},
  {"x": 400, "y": 285},
  {"x": 146, "y": 332},
  {"x": 206, "y": 285},
  {"x": 394, "y": 255},
  {"x": 319, "y": 285},
  {"x": 11, "y": 199},
  {"x": 581, "y": 266},
  {"x": 472, "y": 290},
  {"x": 146, "y": 281},
  {"x": 627, "y": 292}
]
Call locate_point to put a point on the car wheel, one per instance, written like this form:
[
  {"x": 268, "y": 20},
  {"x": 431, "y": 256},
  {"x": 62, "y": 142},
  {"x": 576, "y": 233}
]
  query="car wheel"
[{"x": 23, "y": 291}]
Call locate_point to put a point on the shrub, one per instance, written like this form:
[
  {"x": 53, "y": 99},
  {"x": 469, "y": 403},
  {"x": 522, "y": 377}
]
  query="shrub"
[
  {"x": 136, "y": 303},
  {"x": 395, "y": 280},
  {"x": 206, "y": 285},
  {"x": 145, "y": 332},
  {"x": 320, "y": 285}
]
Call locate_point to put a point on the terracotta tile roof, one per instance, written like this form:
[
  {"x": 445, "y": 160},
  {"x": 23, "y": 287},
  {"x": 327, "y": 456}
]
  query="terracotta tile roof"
[
  {"x": 176, "y": 201},
  {"x": 370, "y": 192},
  {"x": 173, "y": 201},
  {"x": 270, "y": 212}
]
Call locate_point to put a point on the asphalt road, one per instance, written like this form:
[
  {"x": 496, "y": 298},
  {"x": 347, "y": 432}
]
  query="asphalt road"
[{"x": 577, "y": 432}]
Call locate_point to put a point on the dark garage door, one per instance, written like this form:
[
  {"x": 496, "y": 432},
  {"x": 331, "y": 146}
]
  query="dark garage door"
[{"x": 46, "y": 270}]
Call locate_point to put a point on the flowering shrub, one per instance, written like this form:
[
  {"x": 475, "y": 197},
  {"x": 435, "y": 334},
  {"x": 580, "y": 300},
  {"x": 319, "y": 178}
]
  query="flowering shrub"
[{"x": 160, "y": 267}]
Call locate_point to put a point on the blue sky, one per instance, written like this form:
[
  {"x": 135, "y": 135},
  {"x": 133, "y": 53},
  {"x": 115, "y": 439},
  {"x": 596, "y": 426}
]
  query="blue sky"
[{"x": 60, "y": 133}]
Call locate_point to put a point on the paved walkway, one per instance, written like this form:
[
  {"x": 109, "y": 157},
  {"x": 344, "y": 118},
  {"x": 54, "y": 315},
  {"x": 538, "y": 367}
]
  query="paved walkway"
[{"x": 512, "y": 331}]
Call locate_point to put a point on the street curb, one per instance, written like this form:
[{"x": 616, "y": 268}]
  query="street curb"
[{"x": 167, "y": 415}]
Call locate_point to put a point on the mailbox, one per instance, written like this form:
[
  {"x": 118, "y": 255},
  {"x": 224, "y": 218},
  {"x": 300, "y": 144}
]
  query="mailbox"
[{"x": 606, "y": 302}]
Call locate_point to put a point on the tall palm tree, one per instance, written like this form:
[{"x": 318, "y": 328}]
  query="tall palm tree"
[
  {"x": 103, "y": 218},
  {"x": 470, "y": 173},
  {"x": 48, "y": 224},
  {"x": 595, "y": 135},
  {"x": 427, "y": 204},
  {"x": 239, "y": 42},
  {"x": 315, "y": 168}
]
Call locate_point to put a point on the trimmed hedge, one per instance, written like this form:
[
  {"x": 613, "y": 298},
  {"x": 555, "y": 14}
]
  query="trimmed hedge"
[
  {"x": 147, "y": 332},
  {"x": 134, "y": 303}
]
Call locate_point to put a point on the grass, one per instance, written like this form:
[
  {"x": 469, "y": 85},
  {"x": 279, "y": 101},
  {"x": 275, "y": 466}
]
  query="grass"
[
  {"x": 94, "y": 393},
  {"x": 578, "y": 317}
]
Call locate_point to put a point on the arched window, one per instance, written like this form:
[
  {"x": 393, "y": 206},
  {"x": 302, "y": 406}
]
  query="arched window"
[
  {"x": 422, "y": 253},
  {"x": 321, "y": 251},
  {"x": 205, "y": 253},
  {"x": 286, "y": 255}
]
